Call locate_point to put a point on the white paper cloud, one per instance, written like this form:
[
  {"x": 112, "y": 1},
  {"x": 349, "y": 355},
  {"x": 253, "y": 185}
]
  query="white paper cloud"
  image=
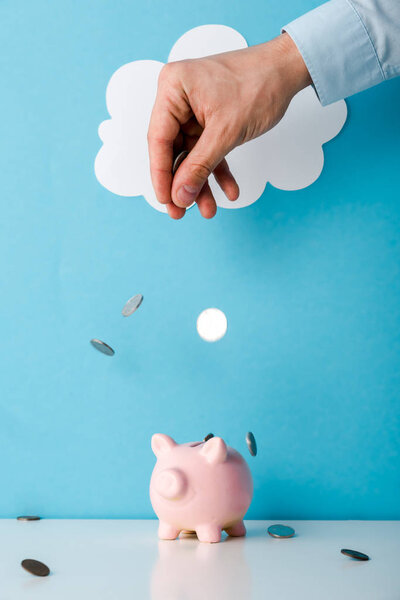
[{"x": 290, "y": 156}]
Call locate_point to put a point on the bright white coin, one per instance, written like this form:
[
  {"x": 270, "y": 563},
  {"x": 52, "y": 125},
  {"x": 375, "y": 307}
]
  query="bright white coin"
[{"x": 212, "y": 324}]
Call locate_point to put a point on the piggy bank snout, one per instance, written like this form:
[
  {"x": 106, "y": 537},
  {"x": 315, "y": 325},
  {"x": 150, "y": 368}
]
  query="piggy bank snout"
[{"x": 171, "y": 484}]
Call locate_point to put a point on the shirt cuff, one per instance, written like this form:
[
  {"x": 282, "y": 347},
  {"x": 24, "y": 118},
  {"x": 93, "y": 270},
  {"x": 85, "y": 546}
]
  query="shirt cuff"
[{"x": 337, "y": 50}]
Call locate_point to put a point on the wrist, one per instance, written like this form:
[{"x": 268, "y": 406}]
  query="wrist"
[{"x": 290, "y": 64}]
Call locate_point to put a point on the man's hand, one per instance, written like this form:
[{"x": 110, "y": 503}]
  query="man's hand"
[{"x": 211, "y": 105}]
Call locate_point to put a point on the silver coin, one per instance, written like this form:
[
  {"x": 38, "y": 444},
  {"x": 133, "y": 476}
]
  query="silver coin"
[
  {"x": 208, "y": 437},
  {"x": 178, "y": 160},
  {"x": 251, "y": 443},
  {"x": 102, "y": 347},
  {"x": 28, "y": 518},
  {"x": 132, "y": 305},
  {"x": 355, "y": 554},
  {"x": 280, "y": 531}
]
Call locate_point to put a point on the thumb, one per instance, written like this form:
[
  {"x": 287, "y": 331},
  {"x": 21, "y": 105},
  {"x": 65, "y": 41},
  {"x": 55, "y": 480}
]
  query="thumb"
[{"x": 198, "y": 166}]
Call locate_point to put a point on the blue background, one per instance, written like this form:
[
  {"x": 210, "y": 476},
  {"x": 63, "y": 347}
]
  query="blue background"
[{"x": 309, "y": 281}]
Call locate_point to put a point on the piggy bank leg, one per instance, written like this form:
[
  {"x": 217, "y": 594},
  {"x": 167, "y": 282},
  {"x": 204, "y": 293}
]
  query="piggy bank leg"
[
  {"x": 167, "y": 531},
  {"x": 237, "y": 530},
  {"x": 209, "y": 533}
]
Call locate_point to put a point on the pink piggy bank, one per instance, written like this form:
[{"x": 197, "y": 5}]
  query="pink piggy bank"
[{"x": 199, "y": 486}]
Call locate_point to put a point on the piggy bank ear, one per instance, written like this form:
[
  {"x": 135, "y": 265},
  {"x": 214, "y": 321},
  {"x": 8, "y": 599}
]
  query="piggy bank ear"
[
  {"x": 214, "y": 450},
  {"x": 161, "y": 443}
]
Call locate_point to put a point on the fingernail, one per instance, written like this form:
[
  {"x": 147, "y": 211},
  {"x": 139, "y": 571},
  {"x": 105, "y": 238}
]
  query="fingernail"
[{"x": 187, "y": 194}]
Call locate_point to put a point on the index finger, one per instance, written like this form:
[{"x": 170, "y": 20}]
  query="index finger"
[{"x": 163, "y": 129}]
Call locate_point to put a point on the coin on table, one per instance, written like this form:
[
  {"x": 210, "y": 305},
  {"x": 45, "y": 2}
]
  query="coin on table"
[
  {"x": 354, "y": 554},
  {"x": 28, "y": 518},
  {"x": 35, "y": 567},
  {"x": 132, "y": 305},
  {"x": 208, "y": 437},
  {"x": 102, "y": 347},
  {"x": 178, "y": 160},
  {"x": 251, "y": 443},
  {"x": 280, "y": 531}
]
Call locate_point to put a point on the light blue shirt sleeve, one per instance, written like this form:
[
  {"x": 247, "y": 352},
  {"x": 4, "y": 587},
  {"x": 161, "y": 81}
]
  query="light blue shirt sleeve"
[{"x": 349, "y": 45}]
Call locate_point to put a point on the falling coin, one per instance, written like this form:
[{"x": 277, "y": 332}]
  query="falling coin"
[
  {"x": 102, "y": 347},
  {"x": 208, "y": 437},
  {"x": 35, "y": 567},
  {"x": 280, "y": 531},
  {"x": 354, "y": 554},
  {"x": 28, "y": 518},
  {"x": 132, "y": 305},
  {"x": 179, "y": 159},
  {"x": 251, "y": 443}
]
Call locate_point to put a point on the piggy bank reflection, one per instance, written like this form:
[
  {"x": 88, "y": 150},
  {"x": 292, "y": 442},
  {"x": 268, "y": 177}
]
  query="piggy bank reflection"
[
  {"x": 191, "y": 571},
  {"x": 204, "y": 487}
]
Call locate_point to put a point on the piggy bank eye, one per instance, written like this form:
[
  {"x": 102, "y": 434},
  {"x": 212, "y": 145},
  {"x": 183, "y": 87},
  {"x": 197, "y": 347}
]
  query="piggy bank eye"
[{"x": 212, "y": 324}]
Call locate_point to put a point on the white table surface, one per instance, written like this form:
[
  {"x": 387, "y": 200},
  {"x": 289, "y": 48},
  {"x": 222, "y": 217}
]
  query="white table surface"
[{"x": 118, "y": 560}]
